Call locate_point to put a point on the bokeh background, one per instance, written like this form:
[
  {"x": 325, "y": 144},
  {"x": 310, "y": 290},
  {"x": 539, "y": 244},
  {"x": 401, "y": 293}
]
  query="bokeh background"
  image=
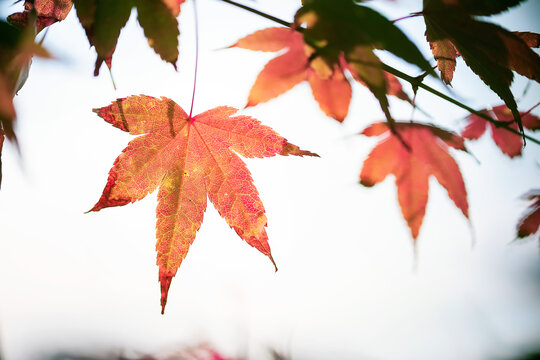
[{"x": 349, "y": 285}]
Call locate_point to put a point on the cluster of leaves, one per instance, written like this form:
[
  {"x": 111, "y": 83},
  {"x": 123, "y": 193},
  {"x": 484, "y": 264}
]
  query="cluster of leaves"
[
  {"x": 331, "y": 42},
  {"x": 17, "y": 49},
  {"x": 102, "y": 21}
]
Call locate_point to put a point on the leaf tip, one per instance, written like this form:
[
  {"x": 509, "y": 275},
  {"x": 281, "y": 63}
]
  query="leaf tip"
[
  {"x": 291, "y": 149},
  {"x": 273, "y": 262},
  {"x": 366, "y": 182},
  {"x": 250, "y": 103},
  {"x": 165, "y": 278}
]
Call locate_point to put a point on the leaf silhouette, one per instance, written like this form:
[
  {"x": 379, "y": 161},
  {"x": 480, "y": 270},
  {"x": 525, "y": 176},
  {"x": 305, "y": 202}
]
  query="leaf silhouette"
[
  {"x": 17, "y": 47},
  {"x": 509, "y": 143},
  {"x": 189, "y": 159},
  {"x": 530, "y": 221},
  {"x": 346, "y": 29},
  {"x": 428, "y": 155},
  {"x": 47, "y": 11},
  {"x": 330, "y": 87},
  {"x": 491, "y": 51},
  {"x": 102, "y": 21}
]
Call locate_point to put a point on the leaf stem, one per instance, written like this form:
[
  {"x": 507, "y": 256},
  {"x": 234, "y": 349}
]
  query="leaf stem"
[
  {"x": 414, "y": 81},
  {"x": 531, "y": 109},
  {"x": 195, "y": 14},
  {"x": 407, "y": 17}
]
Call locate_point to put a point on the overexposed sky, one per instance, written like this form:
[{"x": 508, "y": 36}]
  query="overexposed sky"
[{"x": 346, "y": 286}]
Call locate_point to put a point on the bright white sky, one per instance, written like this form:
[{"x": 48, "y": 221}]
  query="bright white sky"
[{"x": 345, "y": 289}]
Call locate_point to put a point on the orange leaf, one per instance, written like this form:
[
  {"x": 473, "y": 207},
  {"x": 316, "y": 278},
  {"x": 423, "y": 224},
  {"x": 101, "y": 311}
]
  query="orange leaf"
[
  {"x": 428, "y": 155},
  {"x": 190, "y": 159},
  {"x": 530, "y": 222},
  {"x": 330, "y": 87},
  {"x": 509, "y": 143}
]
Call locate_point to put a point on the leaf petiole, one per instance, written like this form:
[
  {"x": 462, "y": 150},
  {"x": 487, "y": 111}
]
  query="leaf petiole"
[{"x": 195, "y": 14}]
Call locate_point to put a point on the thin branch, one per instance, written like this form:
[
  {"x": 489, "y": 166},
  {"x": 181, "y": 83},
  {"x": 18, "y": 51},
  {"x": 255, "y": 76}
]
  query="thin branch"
[
  {"x": 260, "y": 13},
  {"x": 414, "y": 81},
  {"x": 531, "y": 109}
]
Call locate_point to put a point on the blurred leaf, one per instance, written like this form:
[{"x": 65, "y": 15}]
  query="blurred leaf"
[
  {"x": 488, "y": 49},
  {"x": 530, "y": 221},
  {"x": 428, "y": 155},
  {"x": 346, "y": 29},
  {"x": 103, "y": 20},
  {"x": 509, "y": 143}
]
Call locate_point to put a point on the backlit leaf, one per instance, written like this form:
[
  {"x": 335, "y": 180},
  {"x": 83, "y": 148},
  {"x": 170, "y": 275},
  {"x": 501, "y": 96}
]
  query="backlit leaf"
[
  {"x": 491, "y": 51},
  {"x": 428, "y": 156},
  {"x": 329, "y": 85},
  {"x": 47, "y": 11},
  {"x": 530, "y": 221},
  {"x": 190, "y": 159},
  {"x": 509, "y": 143},
  {"x": 345, "y": 29}
]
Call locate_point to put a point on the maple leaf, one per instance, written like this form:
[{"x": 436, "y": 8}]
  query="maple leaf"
[
  {"x": 189, "y": 159},
  {"x": 491, "y": 51},
  {"x": 530, "y": 221},
  {"x": 346, "y": 29},
  {"x": 428, "y": 155},
  {"x": 47, "y": 13},
  {"x": 17, "y": 47},
  {"x": 329, "y": 86},
  {"x": 103, "y": 20},
  {"x": 509, "y": 143}
]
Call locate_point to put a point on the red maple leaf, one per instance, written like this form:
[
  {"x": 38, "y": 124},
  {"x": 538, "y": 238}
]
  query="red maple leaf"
[
  {"x": 428, "y": 155},
  {"x": 530, "y": 221},
  {"x": 47, "y": 11},
  {"x": 331, "y": 89},
  {"x": 509, "y": 143},
  {"x": 189, "y": 159}
]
